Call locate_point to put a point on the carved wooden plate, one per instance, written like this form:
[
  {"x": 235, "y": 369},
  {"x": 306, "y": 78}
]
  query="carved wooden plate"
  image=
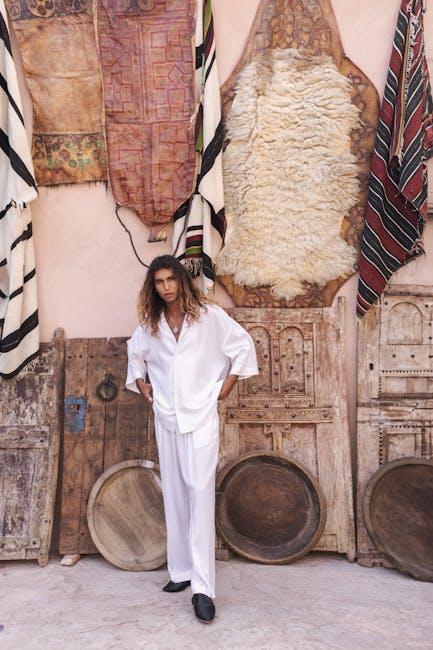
[
  {"x": 398, "y": 514},
  {"x": 269, "y": 508},
  {"x": 309, "y": 26},
  {"x": 126, "y": 516}
]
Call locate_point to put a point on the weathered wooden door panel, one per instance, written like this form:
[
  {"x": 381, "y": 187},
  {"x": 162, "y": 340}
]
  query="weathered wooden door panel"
[
  {"x": 104, "y": 425},
  {"x": 30, "y": 410},
  {"x": 297, "y": 405},
  {"x": 395, "y": 390},
  {"x": 407, "y": 439},
  {"x": 299, "y": 441}
]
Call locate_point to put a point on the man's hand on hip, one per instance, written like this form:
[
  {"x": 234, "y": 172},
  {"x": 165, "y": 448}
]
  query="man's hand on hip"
[
  {"x": 227, "y": 386},
  {"x": 145, "y": 389}
]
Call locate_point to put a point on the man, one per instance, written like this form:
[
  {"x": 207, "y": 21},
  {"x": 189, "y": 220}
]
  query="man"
[{"x": 193, "y": 354}]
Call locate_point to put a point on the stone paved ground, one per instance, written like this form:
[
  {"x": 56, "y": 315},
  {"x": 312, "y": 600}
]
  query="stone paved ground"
[{"x": 320, "y": 602}]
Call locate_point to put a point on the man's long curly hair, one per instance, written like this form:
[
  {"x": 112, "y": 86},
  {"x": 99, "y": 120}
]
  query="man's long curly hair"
[{"x": 150, "y": 305}]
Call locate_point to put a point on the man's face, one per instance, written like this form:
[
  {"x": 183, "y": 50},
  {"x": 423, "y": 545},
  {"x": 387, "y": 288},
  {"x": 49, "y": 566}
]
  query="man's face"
[{"x": 166, "y": 285}]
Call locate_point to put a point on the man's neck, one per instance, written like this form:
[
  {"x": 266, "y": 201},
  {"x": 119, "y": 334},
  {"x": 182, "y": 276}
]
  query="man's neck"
[{"x": 172, "y": 309}]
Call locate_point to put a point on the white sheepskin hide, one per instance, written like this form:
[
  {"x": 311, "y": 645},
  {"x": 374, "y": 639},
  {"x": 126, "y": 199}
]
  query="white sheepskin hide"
[{"x": 290, "y": 177}]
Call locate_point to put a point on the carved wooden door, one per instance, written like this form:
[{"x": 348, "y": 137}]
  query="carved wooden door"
[
  {"x": 29, "y": 451},
  {"x": 395, "y": 390},
  {"x": 405, "y": 347},
  {"x": 297, "y": 405}
]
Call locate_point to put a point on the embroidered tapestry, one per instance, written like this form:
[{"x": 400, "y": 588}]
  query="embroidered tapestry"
[
  {"x": 146, "y": 49},
  {"x": 58, "y": 48}
]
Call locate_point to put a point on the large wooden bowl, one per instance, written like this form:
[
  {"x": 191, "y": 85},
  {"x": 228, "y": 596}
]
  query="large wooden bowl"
[
  {"x": 398, "y": 514},
  {"x": 270, "y": 509},
  {"x": 126, "y": 516}
]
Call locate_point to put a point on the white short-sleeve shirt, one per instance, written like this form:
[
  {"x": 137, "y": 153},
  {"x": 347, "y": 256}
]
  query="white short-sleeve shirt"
[{"x": 187, "y": 374}]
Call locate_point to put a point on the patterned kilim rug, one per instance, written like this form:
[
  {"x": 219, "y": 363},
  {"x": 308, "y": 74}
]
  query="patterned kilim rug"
[{"x": 146, "y": 50}]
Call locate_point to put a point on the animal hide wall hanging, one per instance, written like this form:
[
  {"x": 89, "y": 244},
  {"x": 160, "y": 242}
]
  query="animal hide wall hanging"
[
  {"x": 290, "y": 176},
  {"x": 301, "y": 120},
  {"x": 58, "y": 48}
]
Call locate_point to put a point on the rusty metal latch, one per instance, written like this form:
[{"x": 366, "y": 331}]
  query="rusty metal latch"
[{"x": 75, "y": 413}]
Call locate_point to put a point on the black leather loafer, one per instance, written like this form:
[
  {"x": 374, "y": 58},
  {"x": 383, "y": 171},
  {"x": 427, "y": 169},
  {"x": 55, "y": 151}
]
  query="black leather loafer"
[
  {"x": 204, "y": 608},
  {"x": 174, "y": 587}
]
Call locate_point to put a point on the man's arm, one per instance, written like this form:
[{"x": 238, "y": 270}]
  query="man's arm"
[
  {"x": 238, "y": 346},
  {"x": 138, "y": 352},
  {"x": 145, "y": 389},
  {"x": 228, "y": 385}
]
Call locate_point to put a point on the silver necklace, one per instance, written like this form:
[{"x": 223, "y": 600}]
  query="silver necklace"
[{"x": 175, "y": 328}]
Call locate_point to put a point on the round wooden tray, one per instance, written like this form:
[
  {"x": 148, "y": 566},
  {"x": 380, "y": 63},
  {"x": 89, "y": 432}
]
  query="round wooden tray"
[
  {"x": 125, "y": 514},
  {"x": 398, "y": 514},
  {"x": 269, "y": 508}
]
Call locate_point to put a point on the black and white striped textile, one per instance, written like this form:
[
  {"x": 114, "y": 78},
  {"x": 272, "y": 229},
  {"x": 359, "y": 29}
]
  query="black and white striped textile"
[
  {"x": 19, "y": 331},
  {"x": 199, "y": 223}
]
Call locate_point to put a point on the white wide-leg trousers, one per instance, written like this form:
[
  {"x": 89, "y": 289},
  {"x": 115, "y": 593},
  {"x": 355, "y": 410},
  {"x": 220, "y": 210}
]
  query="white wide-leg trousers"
[{"x": 188, "y": 463}]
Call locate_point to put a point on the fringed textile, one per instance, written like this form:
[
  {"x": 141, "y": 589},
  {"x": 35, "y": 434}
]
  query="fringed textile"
[
  {"x": 19, "y": 332},
  {"x": 397, "y": 200},
  {"x": 203, "y": 213}
]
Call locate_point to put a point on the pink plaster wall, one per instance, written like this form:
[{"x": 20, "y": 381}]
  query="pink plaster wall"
[{"x": 88, "y": 277}]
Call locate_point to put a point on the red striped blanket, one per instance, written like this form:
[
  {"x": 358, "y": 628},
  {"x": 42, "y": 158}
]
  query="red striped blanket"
[{"x": 397, "y": 200}]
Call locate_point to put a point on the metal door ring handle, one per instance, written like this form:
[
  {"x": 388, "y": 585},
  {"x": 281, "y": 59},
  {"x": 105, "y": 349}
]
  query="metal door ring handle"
[{"x": 107, "y": 389}]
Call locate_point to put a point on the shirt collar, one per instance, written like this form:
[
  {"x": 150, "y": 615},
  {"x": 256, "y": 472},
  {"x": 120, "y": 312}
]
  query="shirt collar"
[{"x": 185, "y": 325}]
